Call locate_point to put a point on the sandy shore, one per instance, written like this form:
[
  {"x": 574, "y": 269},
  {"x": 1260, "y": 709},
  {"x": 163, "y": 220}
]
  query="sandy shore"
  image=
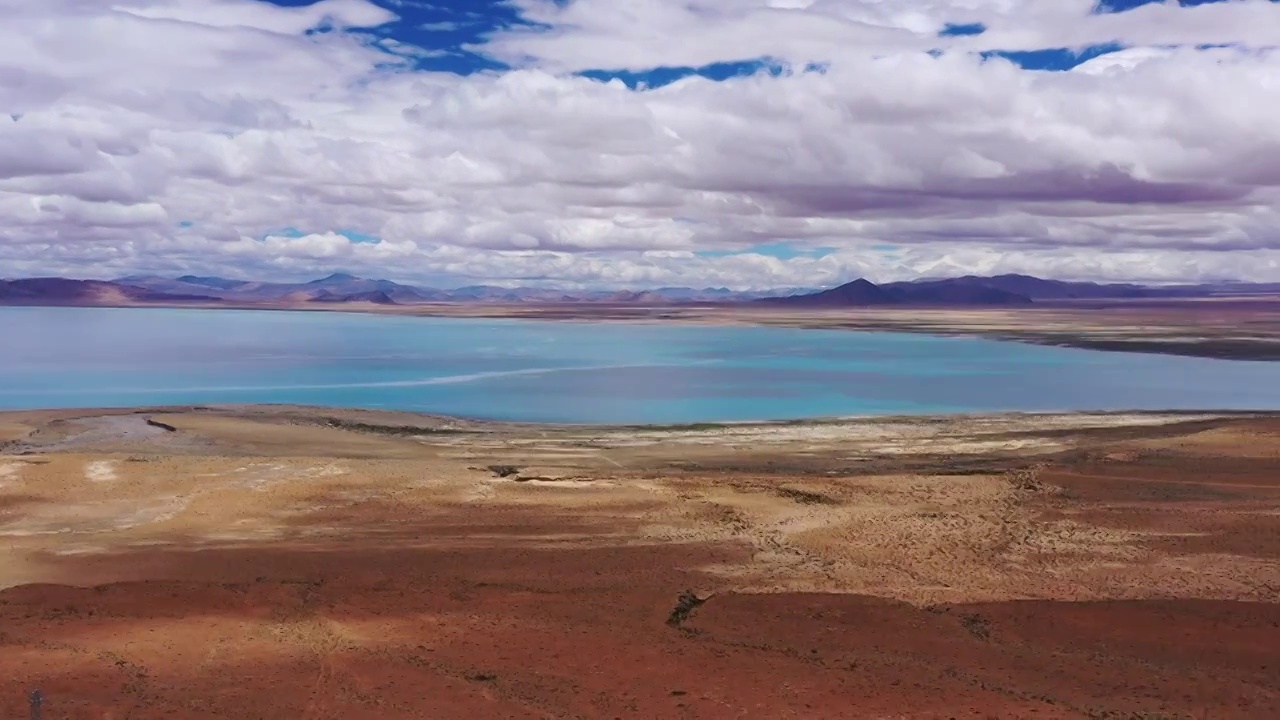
[{"x": 277, "y": 561}]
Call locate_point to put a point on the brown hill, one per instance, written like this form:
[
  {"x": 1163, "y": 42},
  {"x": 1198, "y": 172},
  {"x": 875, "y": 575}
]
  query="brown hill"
[{"x": 61, "y": 291}]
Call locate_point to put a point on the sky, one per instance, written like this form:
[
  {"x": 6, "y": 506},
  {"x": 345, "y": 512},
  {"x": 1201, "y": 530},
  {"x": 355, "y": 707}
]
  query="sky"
[{"x": 749, "y": 144}]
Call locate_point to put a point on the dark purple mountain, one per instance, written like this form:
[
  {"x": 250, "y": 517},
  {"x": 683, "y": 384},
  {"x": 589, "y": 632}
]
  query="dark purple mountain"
[
  {"x": 862, "y": 292},
  {"x": 1042, "y": 289},
  {"x": 856, "y": 293},
  {"x": 211, "y": 282},
  {"x": 377, "y": 297}
]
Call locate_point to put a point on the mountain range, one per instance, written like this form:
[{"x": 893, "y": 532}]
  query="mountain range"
[
  {"x": 343, "y": 288},
  {"x": 63, "y": 291},
  {"x": 1008, "y": 290},
  {"x": 1001, "y": 290},
  {"x": 938, "y": 292}
]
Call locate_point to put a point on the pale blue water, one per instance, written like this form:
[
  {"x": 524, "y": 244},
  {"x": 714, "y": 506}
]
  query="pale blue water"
[{"x": 577, "y": 372}]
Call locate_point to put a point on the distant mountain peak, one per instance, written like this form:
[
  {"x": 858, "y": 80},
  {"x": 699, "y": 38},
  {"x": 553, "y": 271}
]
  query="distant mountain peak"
[
  {"x": 966, "y": 290},
  {"x": 863, "y": 292},
  {"x": 856, "y": 292},
  {"x": 336, "y": 277},
  {"x": 209, "y": 281}
]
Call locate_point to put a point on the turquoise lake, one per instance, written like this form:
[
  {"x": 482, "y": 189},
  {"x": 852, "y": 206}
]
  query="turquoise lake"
[{"x": 577, "y": 372}]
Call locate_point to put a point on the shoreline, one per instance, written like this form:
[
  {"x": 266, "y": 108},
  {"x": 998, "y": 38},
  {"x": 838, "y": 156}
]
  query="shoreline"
[
  {"x": 414, "y": 424},
  {"x": 1204, "y": 329}
]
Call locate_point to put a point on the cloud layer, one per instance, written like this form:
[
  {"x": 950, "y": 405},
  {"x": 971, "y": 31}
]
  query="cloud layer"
[{"x": 242, "y": 138}]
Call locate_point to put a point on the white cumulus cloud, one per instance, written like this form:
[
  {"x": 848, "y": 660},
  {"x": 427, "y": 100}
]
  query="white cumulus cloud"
[{"x": 189, "y": 135}]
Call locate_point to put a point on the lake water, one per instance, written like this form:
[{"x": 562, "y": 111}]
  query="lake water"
[{"x": 577, "y": 372}]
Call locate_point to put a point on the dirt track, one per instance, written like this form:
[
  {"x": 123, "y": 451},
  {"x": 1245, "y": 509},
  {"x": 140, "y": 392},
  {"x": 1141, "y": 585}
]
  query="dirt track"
[{"x": 296, "y": 563}]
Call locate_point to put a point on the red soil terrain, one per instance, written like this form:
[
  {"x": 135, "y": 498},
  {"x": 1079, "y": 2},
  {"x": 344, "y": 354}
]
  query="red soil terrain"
[
  {"x": 509, "y": 608},
  {"x": 517, "y": 633}
]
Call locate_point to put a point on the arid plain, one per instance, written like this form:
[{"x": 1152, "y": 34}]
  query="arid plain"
[{"x": 268, "y": 562}]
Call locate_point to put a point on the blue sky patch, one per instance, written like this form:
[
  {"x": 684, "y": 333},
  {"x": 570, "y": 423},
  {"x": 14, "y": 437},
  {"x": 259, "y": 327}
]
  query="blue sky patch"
[
  {"x": 435, "y": 35},
  {"x": 358, "y": 237},
  {"x": 964, "y": 30},
  {"x": 289, "y": 232},
  {"x": 1115, "y": 6},
  {"x": 443, "y": 29},
  {"x": 779, "y": 250},
  {"x": 658, "y": 77},
  {"x": 352, "y": 235},
  {"x": 1053, "y": 58}
]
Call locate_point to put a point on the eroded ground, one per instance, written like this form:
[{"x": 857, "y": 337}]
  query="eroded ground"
[{"x": 287, "y": 562}]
